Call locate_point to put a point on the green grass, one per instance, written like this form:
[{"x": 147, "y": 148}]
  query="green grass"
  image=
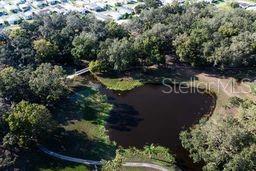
[
  {"x": 81, "y": 133},
  {"x": 149, "y": 154},
  {"x": 253, "y": 87},
  {"x": 36, "y": 161},
  {"x": 91, "y": 130},
  {"x": 75, "y": 168},
  {"x": 224, "y": 6},
  {"x": 82, "y": 118},
  {"x": 120, "y": 84}
]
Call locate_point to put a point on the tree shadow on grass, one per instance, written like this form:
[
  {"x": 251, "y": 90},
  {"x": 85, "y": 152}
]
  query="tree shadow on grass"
[
  {"x": 36, "y": 161},
  {"x": 75, "y": 144},
  {"x": 84, "y": 104}
]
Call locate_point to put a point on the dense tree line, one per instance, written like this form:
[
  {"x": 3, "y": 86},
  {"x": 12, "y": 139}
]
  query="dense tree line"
[
  {"x": 226, "y": 142},
  {"x": 57, "y": 39},
  {"x": 198, "y": 34},
  {"x": 45, "y": 84}
]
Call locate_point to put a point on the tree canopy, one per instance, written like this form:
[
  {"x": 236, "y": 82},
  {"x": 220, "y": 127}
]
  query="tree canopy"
[
  {"x": 225, "y": 142},
  {"x": 14, "y": 84},
  {"x": 45, "y": 50},
  {"x": 27, "y": 123},
  {"x": 48, "y": 83}
]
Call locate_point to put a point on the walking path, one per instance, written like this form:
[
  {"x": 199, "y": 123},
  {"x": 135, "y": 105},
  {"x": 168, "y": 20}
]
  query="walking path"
[
  {"x": 97, "y": 163},
  {"x": 67, "y": 158}
]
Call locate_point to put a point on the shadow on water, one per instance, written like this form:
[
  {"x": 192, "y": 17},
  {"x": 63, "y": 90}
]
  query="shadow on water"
[{"x": 123, "y": 117}]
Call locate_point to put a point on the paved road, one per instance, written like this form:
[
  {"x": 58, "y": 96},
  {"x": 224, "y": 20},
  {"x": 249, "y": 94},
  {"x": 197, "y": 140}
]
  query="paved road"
[{"x": 97, "y": 163}]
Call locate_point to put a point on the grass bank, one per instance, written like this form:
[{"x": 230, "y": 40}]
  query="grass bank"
[
  {"x": 69, "y": 168},
  {"x": 120, "y": 84},
  {"x": 149, "y": 154},
  {"x": 81, "y": 133}
]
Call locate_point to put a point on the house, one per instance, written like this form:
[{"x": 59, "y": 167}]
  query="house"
[
  {"x": 131, "y": 1},
  {"x": 28, "y": 15},
  {"x": 86, "y": 1},
  {"x": 3, "y": 4},
  {"x": 82, "y": 10},
  {"x": 18, "y": 2},
  {"x": 13, "y": 20},
  {"x": 80, "y": 3},
  {"x": 59, "y": 9},
  {"x": 102, "y": 5},
  {"x": 243, "y": 5},
  {"x": 96, "y": 7},
  {"x": 24, "y": 7},
  {"x": 124, "y": 11},
  {"x": 3, "y": 40},
  {"x": 2, "y": 12},
  {"x": 165, "y": 2},
  {"x": 39, "y": 4},
  {"x": 115, "y": 15},
  {"x": 52, "y": 2},
  {"x": 252, "y": 8},
  {"x": 68, "y": 8},
  {"x": 1, "y": 23},
  {"x": 12, "y": 8},
  {"x": 44, "y": 12},
  {"x": 208, "y": 1}
]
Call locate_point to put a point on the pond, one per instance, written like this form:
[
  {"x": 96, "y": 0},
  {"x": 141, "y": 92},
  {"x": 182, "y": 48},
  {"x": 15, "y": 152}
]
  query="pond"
[{"x": 147, "y": 115}]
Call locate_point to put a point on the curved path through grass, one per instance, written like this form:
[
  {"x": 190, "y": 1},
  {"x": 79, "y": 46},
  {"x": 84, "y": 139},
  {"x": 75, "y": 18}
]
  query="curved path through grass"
[{"x": 96, "y": 163}]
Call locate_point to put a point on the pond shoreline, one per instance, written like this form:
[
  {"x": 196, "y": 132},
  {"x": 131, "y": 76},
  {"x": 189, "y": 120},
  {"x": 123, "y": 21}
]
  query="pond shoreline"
[
  {"x": 182, "y": 76},
  {"x": 207, "y": 114}
]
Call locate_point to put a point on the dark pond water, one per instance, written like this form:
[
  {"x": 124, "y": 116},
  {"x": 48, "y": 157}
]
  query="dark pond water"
[{"x": 146, "y": 115}]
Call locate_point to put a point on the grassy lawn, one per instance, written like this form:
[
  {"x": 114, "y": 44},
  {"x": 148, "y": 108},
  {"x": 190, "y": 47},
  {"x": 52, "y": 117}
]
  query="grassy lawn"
[
  {"x": 225, "y": 5},
  {"x": 120, "y": 84},
  {"x": 139, "y": 78},
  {"x": 87, "y": 112},
  {"x": 37, "y": 161},
  {"x": 81, "y": 133},
  {"x": 75, "y": 168}
]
